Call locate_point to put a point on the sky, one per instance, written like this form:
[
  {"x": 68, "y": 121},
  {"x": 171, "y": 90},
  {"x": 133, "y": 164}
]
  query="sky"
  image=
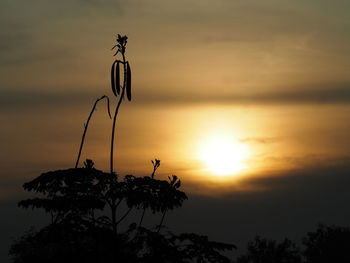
[{"x": 271, "y": 77}]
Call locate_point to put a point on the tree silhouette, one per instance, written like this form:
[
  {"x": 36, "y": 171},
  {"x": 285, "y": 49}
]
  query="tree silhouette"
[
  {"x": 263, "y": 250},
  {"x": 84, "y": 204},
  {"x": 327, "y": 244},
  {"x": 73, "y": 196}
]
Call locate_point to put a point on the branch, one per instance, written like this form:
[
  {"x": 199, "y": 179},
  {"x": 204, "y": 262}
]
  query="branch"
[
  {"x": 161, "y": 221},
  {"x": 125, "y": 215},
  {"x": 87, "y": 124}
]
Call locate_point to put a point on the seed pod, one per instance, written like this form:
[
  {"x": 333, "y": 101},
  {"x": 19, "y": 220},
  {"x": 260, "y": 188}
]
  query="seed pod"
[
  {"x": 113, "y": 78},
  {"x": 128, "y": 81},
  {"x": 117, "y": 79}
]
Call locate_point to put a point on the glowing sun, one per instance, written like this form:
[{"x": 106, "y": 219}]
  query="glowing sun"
[{"x": 224, "y": 156}]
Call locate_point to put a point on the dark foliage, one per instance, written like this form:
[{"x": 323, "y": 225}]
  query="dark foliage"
[
  {"x": 263, "y": 250},
  {"x": 73, "y": 196},
  {"x": 327, "y": 244}
]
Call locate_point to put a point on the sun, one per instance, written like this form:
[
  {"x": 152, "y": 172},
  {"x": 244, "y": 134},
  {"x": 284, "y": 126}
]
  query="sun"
[{"x": 224, "y": 156}]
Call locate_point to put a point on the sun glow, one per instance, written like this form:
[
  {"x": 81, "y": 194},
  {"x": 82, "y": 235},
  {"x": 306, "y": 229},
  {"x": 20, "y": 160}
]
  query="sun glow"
[{"x": 223, "y": 156}]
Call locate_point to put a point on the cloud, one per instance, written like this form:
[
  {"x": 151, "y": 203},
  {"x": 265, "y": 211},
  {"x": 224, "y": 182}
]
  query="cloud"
[
  {"x": 320, "y": 174},
  {"x": 17, "y": 57},
  {"x": 34, "y": 31},
  {"x": 340, "y": 94},
  {"x": 14, "y": 38},
  {"x": 333, "y": 94},
  {"x": 262, "y": 140},
  {"x": 34, "y": 99}
]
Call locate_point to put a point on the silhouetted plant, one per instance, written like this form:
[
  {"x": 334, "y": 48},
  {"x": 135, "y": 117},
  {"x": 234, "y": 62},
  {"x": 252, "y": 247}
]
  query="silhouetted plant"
[
  {"x": 116, "y": 88},
  {"x": 83, "y": 204},
  {"x": 188, "y": 247},
  {"x": 263, "y": 250},
  {"x": 70, "y": 193},
  {"x": 327, "y": 244},
  {"x": 171, "y": 197},
  {"x": 66, "y": 243},
  {"x": 156, "y": 164},
  {"x": 73, "y": 196}
]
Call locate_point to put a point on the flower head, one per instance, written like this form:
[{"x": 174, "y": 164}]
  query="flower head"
[{"x": 121, "y": 40}]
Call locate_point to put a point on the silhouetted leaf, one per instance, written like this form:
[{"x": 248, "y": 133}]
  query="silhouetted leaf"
[
  {"x": 128, "y": 81},
  {"x": 178, "y": 184}
]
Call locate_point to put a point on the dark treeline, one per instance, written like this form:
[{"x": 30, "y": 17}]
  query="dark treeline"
[
  {"x": 78, "y": 232},
  {"x": 327, "y": 244},
  {"x": 84, "y": 205}
]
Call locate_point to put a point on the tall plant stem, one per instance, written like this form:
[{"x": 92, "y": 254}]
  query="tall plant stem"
[
  {"x": 86, "y": 125},
  {"x": 116, "y": 115},
  {"x": 124, "y": 216},
  {"x": 142, "y": 216},
  {"x": 155, "y": 167},
  {"x": 161, "y": 221},
  {"x": 114, "y": 207},
  {"x": 114, "y": 225}
]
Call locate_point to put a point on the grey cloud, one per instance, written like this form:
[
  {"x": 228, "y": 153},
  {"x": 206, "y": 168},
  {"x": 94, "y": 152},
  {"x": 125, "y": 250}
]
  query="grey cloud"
[
  {"x": 11, "y": 99},
  {"x": 24, "y": 24},
  {"x": 320, "y": 174},
  {"x": 14, "y": 38},
  {"x": 28, "y": 100},
  {"x": 101, "y": 7},
  {"x": 311, "y": 26},
  {"x": 333, "y": 94},
  {"x": 24, "y": 58}
]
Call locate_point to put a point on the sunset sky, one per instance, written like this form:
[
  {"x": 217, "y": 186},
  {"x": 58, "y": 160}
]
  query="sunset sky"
[{"x": 268, "y": 79}]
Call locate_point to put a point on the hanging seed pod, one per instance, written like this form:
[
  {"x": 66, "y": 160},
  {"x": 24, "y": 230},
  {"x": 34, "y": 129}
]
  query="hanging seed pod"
[
  {"x": 117, "y": 79},
  {"x": 113, "y": 78},
  {"x": 108, "y": 107},
  {"x": 128, "y": 81}
]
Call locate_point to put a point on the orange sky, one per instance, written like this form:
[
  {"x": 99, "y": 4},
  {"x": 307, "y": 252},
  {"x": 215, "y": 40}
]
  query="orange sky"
[{"x": 273, "y": 76}]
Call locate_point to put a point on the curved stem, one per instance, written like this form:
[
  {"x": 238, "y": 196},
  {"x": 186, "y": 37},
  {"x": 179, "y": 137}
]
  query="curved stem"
[
  {"x": 116, "y": 115},
  {"x": 86, "y": 125}
]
